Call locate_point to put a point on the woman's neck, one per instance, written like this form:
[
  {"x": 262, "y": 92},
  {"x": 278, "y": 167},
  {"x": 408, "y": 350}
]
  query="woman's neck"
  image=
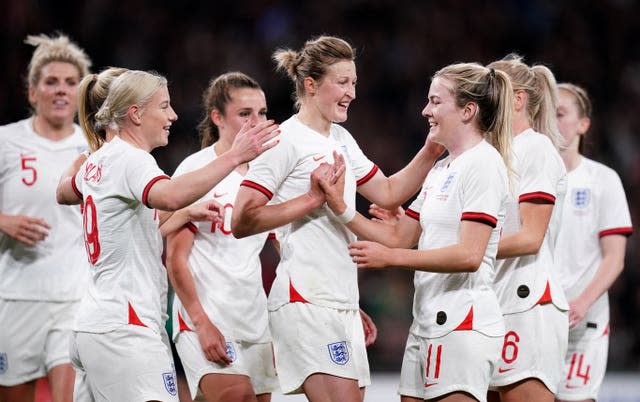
[
  {"x": 571, "y": 158},
  {"x": 50, "y": 131},
  {"x": 312, "y": 118}
]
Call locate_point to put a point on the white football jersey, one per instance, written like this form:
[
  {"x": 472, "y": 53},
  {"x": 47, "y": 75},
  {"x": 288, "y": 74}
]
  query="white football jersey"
[
  {"x": 539, "y": 176},
  {"x": 471, "y": 187},
  {"x": 226, "y": 271},
  {"x": 315, "y": 265},
  {"x": 30, "y": 167},
  {"x": 595, "y": 206},
  {"x": 122, "y": 240}
]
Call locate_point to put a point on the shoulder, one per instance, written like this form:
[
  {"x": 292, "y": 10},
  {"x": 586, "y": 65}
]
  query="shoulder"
[
  {"x": 15, "y": 129},
  {"x": 196, "y": 160},
  {"x": 601, "y": 171}
]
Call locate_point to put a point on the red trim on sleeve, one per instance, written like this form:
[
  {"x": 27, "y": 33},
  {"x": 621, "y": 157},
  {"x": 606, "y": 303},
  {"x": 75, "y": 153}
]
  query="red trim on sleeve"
[
  {"x": 606, "y": 330},
  {"x": 294, "y": 296},
  {"x": 272, "y": 236},
  {"x": 479, "y": 217},
  {"x": 412, "y": 214},
  {"x": 74, "y": 187},
  {"x": 467, "y": 323},
  {"x": 368, "y": 176},
  {"x": 538, "y": 197},
  {"x": 147, "y": 188},
  {"x": 256, "y": 186},
  {"x": 621, "y": 231},
  {"x": 182, "y": 326},
  {"x": 133, "y": 317},
  {"x": 546, "y": 296},
  {"x": 193, "y": 228}
]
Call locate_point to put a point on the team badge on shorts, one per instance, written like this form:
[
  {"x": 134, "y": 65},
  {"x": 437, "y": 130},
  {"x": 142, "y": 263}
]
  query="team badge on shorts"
[
  {"x": 170, "y": 383},
  {"x": 231, "y": 352},
  {"x": 581, "y": 197},
  {"x": 339, "y": 352},
  {"x": 4, "y": 363}
]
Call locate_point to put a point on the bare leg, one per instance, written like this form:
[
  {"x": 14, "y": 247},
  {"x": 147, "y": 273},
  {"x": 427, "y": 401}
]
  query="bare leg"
[
  {"x": 528, "y": 390},
  {"x": 328, "y": 388}
]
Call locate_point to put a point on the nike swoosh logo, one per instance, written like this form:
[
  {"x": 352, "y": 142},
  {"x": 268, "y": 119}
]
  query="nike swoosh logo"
[
  {"x": 218, "y": 195},
  {"x": 427, "y": 385},
  {"x": 317, "y": 158},
  {"x": 504, "y": 370}
]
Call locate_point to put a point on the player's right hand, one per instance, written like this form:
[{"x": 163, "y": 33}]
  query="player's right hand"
[
  {"x": 213, "y": 343},
  {"x": 25, "y": 229},
  {"x": 252, "y": 140}
]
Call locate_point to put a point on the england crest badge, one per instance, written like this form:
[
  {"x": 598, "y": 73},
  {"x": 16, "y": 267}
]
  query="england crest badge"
[
  {"x": 581, "y": 197},
  {"x": 231, "y": 352},
  {"x": 339, "y": 352},
  {"x": 4, "y": 363},
  {"x": 170, "y": 383}
]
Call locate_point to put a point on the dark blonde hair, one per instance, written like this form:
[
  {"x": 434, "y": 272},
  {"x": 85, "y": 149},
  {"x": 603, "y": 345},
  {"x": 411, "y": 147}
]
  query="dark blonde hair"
[
  {"x": 54, "y": 48},
  {"x": 216, "y": 97},
  {"x": 92, "y": 92},
  {"x": 583, "y": 102},
  {"x": 312, "y": 60},
  {"x": 491, "y": 90},
  {"x": 540, "y": 85}
]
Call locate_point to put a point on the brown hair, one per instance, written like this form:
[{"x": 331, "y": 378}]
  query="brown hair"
[
  {"x": 312, "y": 60},
  {"x": 216, "y": 97}
]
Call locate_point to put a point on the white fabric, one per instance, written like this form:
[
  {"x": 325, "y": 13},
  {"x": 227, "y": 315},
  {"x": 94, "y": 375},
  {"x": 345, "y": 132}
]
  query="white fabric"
[
  {"x": 534, "y": 347},
  {"x": 595, "y": 206},
  {"x": 315, "y": 259},
  {"x": 34, "y": 338},
  {"x": 30, "y": 167},
  {"x": 310, "y": 339},
  {"x": 539, "y": 176},
  {"x": 128, "y": 273},
  {"x": 131, "y": 363},
  {"x": 472, "y": 186},
  {"x": 226, "y": 271},
  {"x": 254, "y": 360},
  {"x": 461, "y": 361}
]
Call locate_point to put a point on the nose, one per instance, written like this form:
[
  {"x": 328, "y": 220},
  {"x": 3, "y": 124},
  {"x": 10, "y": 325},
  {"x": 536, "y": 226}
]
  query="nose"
[
  {"x": 351, "y": 92},
  {"x": 173, "y": 116},
  {"x": 426, "y": 112}
]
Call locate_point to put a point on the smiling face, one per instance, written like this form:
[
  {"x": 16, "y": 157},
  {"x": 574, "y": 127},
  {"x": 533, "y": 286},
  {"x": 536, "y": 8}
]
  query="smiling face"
[
  {"x": 441, "y": 111},
  {"x": 246, "y": 104},
  {"x": 156, "y": 118},
  {"x": 570, "y": 122},
  {"x": 54, "y": 97},
  {"x": 334, "y": 93}
]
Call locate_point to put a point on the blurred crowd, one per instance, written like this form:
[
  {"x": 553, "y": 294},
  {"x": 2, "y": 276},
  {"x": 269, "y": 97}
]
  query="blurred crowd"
[{"x": 400, "y": 44}]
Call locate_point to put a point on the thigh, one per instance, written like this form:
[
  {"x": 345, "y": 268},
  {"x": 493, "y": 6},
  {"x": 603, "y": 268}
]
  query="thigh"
[
  {"x": 22, "y": 344},
  {"x": 131, "y": 363},
  {"x": 58, "y": 338},
  {"x": 311, "y": 339}
]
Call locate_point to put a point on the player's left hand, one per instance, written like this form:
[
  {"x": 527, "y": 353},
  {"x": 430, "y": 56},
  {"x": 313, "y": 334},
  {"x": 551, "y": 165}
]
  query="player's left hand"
[
  {"x": 577, "y": 311},
  {"x": 370, "y": 329},
  {"x": 367, "y": 254}
]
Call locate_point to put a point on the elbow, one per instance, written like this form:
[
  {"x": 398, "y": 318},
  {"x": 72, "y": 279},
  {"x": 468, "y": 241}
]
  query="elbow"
[
  {"x": 533, "y": 246},
  {"x": 471, "y": 263},
  {"x": 237, "y": 228}
]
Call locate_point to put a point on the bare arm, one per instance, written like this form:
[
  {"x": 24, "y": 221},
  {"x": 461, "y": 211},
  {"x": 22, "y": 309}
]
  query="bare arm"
[
  {"x": 390, "y": 192},
  {"x": 171, "y": 195},
  {"x": 65, "y": 193},
  {"x": 252, "y": 214},
  {"x": 465, "y": 256},
  {"x": 534, "y": 220},
  {"x": 211, "y": 340},
  {"x": 613, "y": 251},
  {"x": 202, "y": 211}
]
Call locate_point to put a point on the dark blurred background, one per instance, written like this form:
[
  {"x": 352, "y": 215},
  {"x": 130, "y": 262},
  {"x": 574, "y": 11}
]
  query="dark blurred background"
[{"x": 400, "y": 44}]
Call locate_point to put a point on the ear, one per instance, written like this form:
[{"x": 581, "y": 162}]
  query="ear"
[
  {"x": 310, "y": 86},
  {"x": 469, "y": 111},
  {"x": 32, "y": 96},
  {"x": 520, "y": 99},
  {"x": 134, "y": 112},
  {"x": 583, "y": 125},
  {"x": 216, "y": 117}
]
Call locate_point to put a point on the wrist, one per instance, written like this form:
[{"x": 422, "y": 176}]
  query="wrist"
[{"x": 346, "y": 216}]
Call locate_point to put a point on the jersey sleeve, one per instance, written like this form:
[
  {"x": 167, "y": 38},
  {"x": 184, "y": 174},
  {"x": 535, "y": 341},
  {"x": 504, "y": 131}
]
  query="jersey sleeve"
[
  {"x": 614, "y": 216},
  {"x": 416, "y": 206},
  {"x": 483, "y": 192},
  {"x": 142, "y": 172},
  {"x": 76, "y": 181},
  {"x": 539, "y": 170},
  {"x": 268, "y": 171},
  {"x": 363, "y": 168}
]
